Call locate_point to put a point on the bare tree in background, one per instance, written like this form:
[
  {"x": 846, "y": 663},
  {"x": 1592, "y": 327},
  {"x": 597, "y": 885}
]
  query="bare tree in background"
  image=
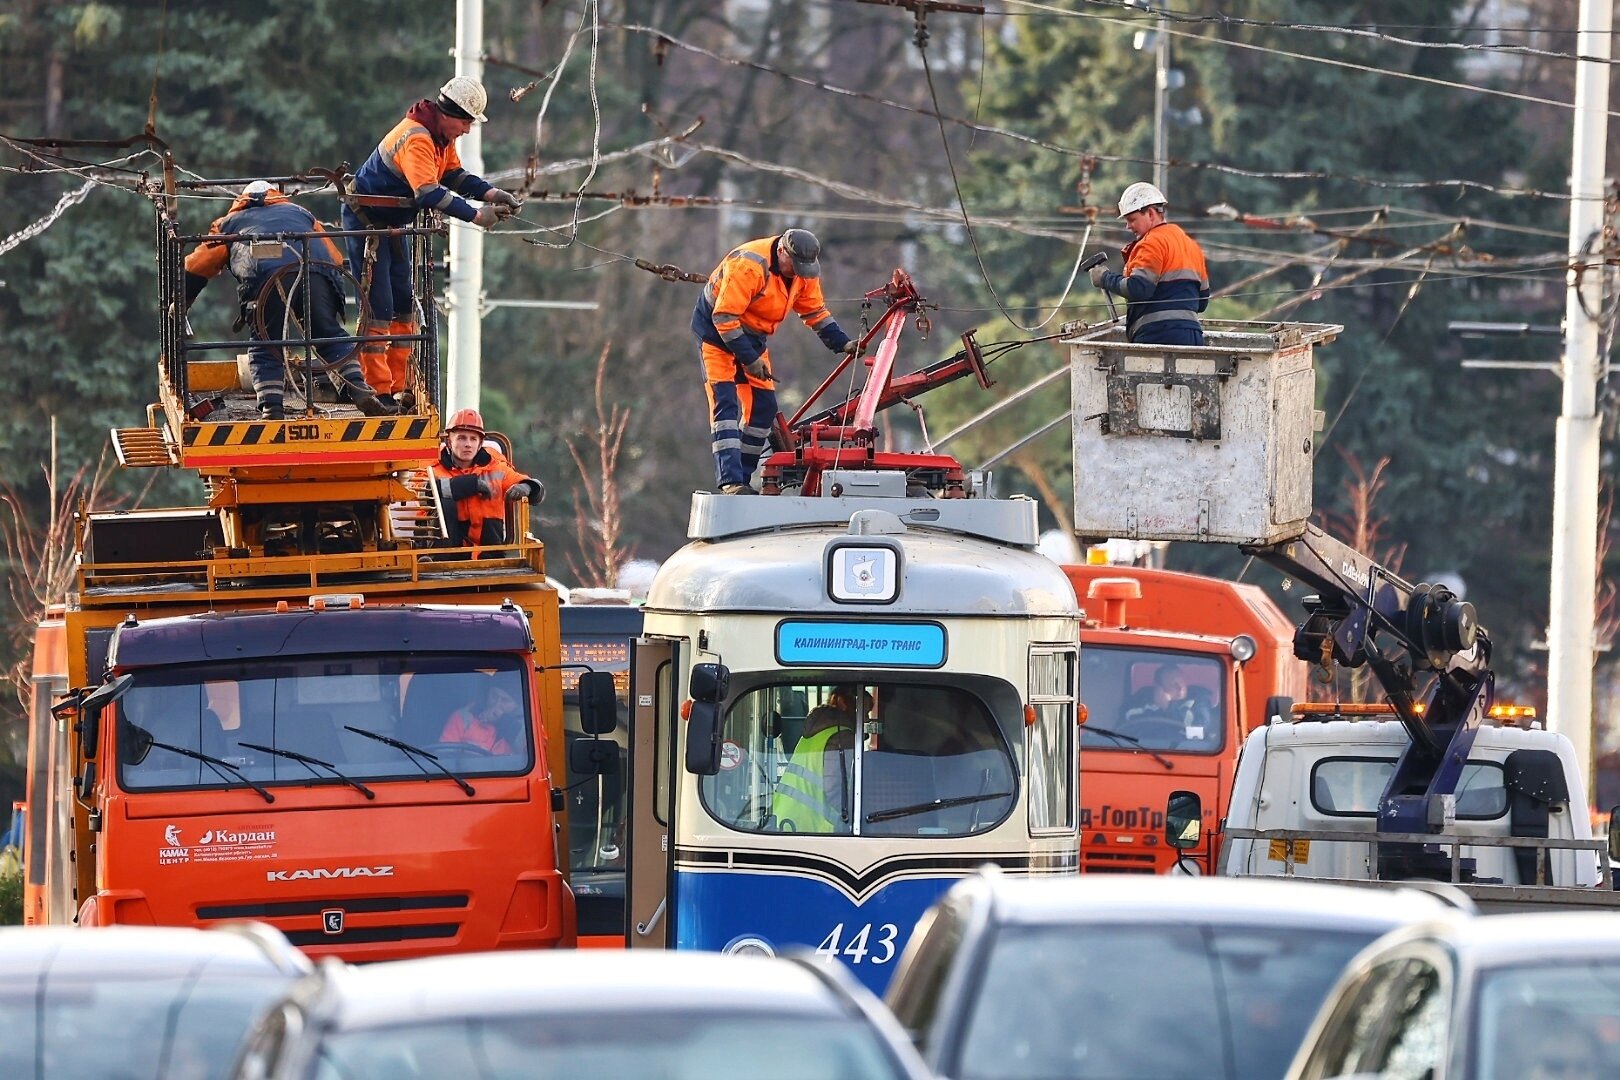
[
  {"x": 598, "y": 520},
  {"x": 1364, "y": 529}
]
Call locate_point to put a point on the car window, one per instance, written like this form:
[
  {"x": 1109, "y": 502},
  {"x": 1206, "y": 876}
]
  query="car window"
[
  {"x": 645, "y": 1046},
  {"x": 1516, "y": 1008},
  {"x": 1352, "y": 786},
  {"x": 914, "y": 995},
  {"x": 1394, "y": 1025},
  {"x": 1147, "y": 1001}
]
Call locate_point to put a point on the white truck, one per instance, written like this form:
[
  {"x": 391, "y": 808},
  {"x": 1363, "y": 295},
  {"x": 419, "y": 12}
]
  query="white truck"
[{"x": 1430, "y": 786}]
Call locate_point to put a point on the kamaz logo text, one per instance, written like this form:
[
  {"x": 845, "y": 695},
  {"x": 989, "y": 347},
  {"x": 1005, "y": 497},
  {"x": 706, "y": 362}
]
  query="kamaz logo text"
[{"x": 322, "y": 872}]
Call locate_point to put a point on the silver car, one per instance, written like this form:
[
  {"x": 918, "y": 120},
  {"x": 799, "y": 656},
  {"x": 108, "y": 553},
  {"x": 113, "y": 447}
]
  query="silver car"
[
  {"x": 135, "y": 1002},
  {"x": 1132, "y": 978},
  {"x": 1509, "y": 997},
  {"x": 592, "y": 1013}
]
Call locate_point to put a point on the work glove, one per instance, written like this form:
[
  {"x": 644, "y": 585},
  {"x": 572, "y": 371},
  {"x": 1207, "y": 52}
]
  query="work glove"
[
  {"x": 1097, "y": 273},
  {"x": 850, "y": 347},
  {"x": 466, "y": 487},
  {"x": 533, "y": 490},
  {"x": 756, "y": 369},
  {"x": 489, "y": 214},
  {"x": 503, "y": 198}
]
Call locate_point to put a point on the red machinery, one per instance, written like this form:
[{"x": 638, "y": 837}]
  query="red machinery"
[{"x": 845, "y": 436}]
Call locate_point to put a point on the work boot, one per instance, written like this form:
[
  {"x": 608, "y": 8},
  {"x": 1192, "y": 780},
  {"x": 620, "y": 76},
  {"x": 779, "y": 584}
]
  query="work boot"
[
  {"x": 738, "y": 489},
  {"x": 371, "y": 404},
  {"x": 272, "y": 411},
  {"x": 407, "y": 400}
]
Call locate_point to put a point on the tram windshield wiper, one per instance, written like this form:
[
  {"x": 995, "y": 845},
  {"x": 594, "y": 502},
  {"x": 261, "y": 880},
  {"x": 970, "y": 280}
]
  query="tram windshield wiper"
[
  {"x": 211, "y": 761},
  {"x": 1131, "y": 740},
  {"x": 309, "y": 762},
  {"x": 934, "y": 804},
  {"x": 415, "y": 753}
]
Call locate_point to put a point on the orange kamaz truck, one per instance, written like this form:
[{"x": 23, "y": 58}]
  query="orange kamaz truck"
[
  {"x": 1175, "y": 670},
  {"x": 291, "y": 702}
]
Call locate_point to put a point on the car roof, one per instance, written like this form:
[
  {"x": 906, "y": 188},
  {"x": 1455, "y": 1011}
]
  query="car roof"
[
  {"x": 595, "y": 981},
  {"x": 1270, "y": 902},
  {"x": 143, "y": 952},
  {"x": 1518, "y": 938}
]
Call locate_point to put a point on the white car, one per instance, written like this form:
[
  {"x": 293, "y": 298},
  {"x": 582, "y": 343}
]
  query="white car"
[
  {"x": 135, "y": 1002},
  {"x": 1506, "y": 997},
  {"x": 1127, "y": 977},
  {"x": 594, "y": 1013}
]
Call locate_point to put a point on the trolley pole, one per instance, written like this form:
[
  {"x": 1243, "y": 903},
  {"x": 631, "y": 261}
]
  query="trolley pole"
[
  {"x": 464, "y": 321},
  {"x": 1572, "y": 611}
]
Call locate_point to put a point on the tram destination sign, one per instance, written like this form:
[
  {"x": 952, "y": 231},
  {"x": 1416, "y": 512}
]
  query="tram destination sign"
[{"x": 847, "y": 643}]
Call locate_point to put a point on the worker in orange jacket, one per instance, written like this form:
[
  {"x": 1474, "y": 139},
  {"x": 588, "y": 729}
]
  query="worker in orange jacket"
[
  {"x": 1165, "y": 283},
  {"x": 314, "y": 288},
  {"x": 479, "y": 481},
  {"x": 417, "y": 160},
  {"x": 745, "y": 300}
]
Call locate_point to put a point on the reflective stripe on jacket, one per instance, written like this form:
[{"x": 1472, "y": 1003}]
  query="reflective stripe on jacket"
[
  {"x": 745, "y": 301},
  {"x": 251, "y": 263},
  {"x": 1165, "y": 281},
  {"x": 808, "y": 799},
  {"x": 480, "y": 519},
  {"x": 410, "y": 164}
]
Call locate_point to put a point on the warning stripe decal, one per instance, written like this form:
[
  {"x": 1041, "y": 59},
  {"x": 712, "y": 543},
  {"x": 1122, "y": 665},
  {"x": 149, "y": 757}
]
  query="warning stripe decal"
[{"x": 274, "y": 433}]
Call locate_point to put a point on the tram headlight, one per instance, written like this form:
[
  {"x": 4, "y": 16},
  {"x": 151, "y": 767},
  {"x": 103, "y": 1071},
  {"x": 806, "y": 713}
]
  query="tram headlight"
[{"x": 748, "y": 945}]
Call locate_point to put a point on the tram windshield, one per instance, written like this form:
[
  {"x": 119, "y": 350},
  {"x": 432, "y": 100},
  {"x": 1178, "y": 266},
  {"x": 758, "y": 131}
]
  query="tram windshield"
[
  {"x": 331, "y": 719},
  {"x": 1151, "y": 699},
  {"x": 859, "y": 758}
]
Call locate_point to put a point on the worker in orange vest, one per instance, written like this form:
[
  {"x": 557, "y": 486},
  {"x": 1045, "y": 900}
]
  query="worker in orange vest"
[
  {"x": 478, "y": 480},
  {"x": 1165, "y": 282},
  {"x": 417, "y": 160},
  {"x": 746, "y": 299}
]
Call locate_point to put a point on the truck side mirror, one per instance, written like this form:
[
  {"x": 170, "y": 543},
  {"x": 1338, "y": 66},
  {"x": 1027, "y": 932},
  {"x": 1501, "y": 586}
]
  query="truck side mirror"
[
  {"x": 88, "y": 725},
  {"x": 707, "y": 689},
  {"x": 1279, "y": 707},
  {"x": 593, "y": 757},
  {"x": 598, "y": 703},
  {"x": 1183, "y": 820}
]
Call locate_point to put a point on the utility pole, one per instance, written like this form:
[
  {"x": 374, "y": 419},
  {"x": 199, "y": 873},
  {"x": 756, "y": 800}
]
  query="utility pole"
[
  {"x": 464, "y": 322},
  {"x": 1570, "y": 637},
  {"x": 1161, "y": 101}
]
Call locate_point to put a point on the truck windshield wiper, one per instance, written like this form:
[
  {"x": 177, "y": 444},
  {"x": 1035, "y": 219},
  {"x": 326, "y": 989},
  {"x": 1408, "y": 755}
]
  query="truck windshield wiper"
[
  {"x": 934, "y": 804},
  {"x": 415, "y": 753},
  {"x": 308, "y": 762},
  {"x": 1131, "y": 740},
  {"x": 213, "y": 763}
]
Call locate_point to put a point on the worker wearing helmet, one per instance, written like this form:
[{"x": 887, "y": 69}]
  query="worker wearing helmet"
[
  {"x": 1165, "y": 282},
  {"x": 747, "y": 297},
  {"x": 479, "y": 481},
  {"x": 267, "y": 276},
  {"x": 416, "y": 160}
]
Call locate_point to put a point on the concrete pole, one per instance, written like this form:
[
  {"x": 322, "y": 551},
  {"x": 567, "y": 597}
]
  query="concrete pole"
[
  {"x": 464, "y": 323},
  {"x": 1575, "y": 481},
  {"x": 1161, "y": 94}
]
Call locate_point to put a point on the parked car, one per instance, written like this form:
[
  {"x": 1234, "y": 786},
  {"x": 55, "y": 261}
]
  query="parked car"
[
  {"x": 1509, "y": 997},
  {"x": 647, "y": 1015},
  {"x": 135, "y": 1002},
  {"x": 1127, "y": 977}
]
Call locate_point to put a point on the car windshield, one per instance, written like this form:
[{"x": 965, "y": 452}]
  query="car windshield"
[
  {"x": 645, "y": 1046},
  {"x": 1149, "y": 699},
  {"x": 1162, "y": 1001},
  {"x": 320, "y": 719},
  {"x": 178, "y": 1027},
  {"x": 1518, "y": 1007}
]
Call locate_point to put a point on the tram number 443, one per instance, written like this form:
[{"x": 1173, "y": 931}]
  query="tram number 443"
[{"x": 867, "y": 943}]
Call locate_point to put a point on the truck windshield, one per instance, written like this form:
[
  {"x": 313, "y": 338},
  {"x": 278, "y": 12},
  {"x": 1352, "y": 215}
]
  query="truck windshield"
[
  {"x": 1151, "y": 699},
  {"x": 276, "y": 721},
  {"x": 929, "y": 760}
]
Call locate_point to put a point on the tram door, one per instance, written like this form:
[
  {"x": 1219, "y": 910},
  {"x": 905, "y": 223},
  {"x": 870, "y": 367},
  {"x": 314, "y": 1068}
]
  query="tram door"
[{"x": 654, "y": 699}]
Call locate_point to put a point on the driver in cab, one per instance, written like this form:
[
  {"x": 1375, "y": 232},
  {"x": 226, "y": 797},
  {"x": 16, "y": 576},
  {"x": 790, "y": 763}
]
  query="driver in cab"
[{"x": 489, "y": 721}]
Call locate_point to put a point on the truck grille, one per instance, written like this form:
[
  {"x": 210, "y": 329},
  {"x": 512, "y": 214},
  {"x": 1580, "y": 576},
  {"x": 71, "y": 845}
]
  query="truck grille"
[{"x": 1117, "y": 862}]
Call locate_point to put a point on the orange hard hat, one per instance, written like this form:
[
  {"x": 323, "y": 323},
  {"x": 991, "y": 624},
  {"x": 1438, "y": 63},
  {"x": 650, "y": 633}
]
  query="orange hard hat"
[{"x": 466, "y": 420}]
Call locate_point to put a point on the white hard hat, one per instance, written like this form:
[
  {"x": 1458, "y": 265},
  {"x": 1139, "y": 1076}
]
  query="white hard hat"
[
  {"x": 1138, "y": 196},
  {"x": 466, "y": 94}
]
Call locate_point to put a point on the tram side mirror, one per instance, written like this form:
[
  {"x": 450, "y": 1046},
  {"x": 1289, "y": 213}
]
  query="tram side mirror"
[
  {"x": 707, "y": 689},
  {"x": 598, "y": 703},
  {"x": 88, "y": 725},
  {"x": 1183, "y": 820}
]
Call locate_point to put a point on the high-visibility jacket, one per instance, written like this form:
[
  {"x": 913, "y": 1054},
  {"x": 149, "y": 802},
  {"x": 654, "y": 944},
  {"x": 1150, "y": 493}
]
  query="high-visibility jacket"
[
  {"x": 480, "y": 519},
  {"x": 263, "y": 214},
  {"x": 1166, "y": 284},
  {"x": 813, "y": 793},
  {"x": 465, "y": 727},
  {"x": 746, "y": 300},
  {"x": 411, "y": 163}
]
